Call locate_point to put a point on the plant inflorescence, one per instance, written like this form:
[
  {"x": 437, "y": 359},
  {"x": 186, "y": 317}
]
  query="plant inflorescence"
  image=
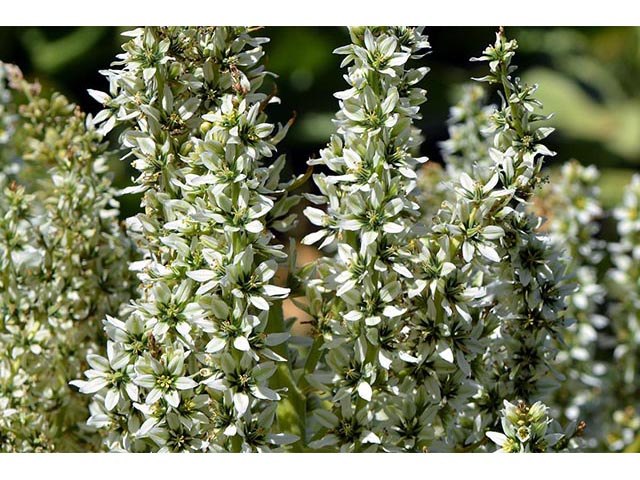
[{"x": 452, "y": 308}]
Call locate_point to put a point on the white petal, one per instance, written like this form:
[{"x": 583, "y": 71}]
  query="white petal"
[
  {"x": 498, "y": 438},
  {"x": 407, "y": 358},
  {"x": 467, "y": 251},
  {"x": 259, "y": 302},
  {"x": 447, "y": 355},
  {"x": 488, "y": 252},
  {"x": 402, "y": 270},
  {"x": 98, "y": 363},
  {"x": 365, "y": 392},
  {"x": 206, "y": 287},
  {"x": 274, "y": 291},
  {"x": 201, "y": 275},
  {"x": 368, "y": 238},
  {"x": 185, "y": 383},
  {"x": 392, "y": 227},
  {"x": 215, "y": 383},
  {"x": 371, "y": 438},
  {"x": 314, "y": 237},
  {"x": 254, "y": 226},
  {"x": 146, "y": 427},
  {"x": 352, "y": 316},
  {"x": 132, "y": 391},
  {"x": 94, "y": 385},
  {"x": 241, "y": 402},
  {"x": 384, "y": 360},
  {"x": 372, "y": 321},
  {"x": 100, "y": 97},
  {"x": 265, "y": 393},
  {"x": 172, "y": 398},
  {"x": 146, "y": 381},
  {"x": 316, "y": 216},
  {"x": 351, "y": 158},
  {"x": 391, "y": 311},
  {"x": 154, "y": 396},
  {"x": 111, "y": 399},
  {"x": 242, "y": 344},
  {"x": 215, "y": 345}
]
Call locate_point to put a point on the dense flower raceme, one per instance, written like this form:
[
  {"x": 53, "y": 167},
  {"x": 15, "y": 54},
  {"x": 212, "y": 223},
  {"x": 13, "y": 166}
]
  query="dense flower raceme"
[
  {"x": 571, "y": 203},
  {"x": 470, "y": 132},
  {"x": 193, "y": 363},
  {"x": 623, "y": 287},
  {"x": 63, "y": 265},
  {"x": 589, "y": 381},
  {"x": 366, "y": 227},
  {"x": 500, "y": 275}
]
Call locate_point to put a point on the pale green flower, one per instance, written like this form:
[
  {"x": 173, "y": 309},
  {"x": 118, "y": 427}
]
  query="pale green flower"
[{"x": 165, "y": 377}]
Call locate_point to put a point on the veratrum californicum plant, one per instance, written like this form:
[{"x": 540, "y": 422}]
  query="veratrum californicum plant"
[
  {"x": 63, "y": 265},
  {"x": 446, "y": 314},
  {"x": 460, "y": 315},
  {"x": 191, "y": 366}
]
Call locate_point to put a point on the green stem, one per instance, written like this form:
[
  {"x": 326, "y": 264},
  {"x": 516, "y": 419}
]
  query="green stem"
[
  {"x": 291, "y": 409},
  {"x": 313, "y": 357},
  {"x": 472, "y": 447},
  {"x": 370, "y": 358},
  {"x": 512, "y": 107}
]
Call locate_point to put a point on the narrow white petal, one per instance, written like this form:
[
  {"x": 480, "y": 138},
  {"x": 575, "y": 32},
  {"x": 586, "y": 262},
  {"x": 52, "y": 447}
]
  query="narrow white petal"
[
  {"x": 111, "y": 399},
  {"x": 446, "y": 355},
  {"x": 185, "y": 383},
  {"x": 172, "y": 398},
  {"x": 259, "y": 302},
  {"x": 94, "y": 385},
  {"x": 201, "y": 275},
  {"x": 154, "y": 396},
  {"x": 215, "y": 345},
  {"x": 498, "y": 438},
  {"x": 132, "y": 391}
]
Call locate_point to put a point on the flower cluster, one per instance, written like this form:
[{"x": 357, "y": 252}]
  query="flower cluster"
[
  {"x": 491, "y": 271},
  {"x": 63, "y": 265},
  {"x": 528, "y": 286},
  {"x": 192, "y": 365},
  {"x": 448, "y": 317},
  {"x": 624, "y": 314},
  {"x": 367, "y": 226},
  {"x": 571, "y": 203},
  {"x": 526, "y": 430},
  {"x": 444, "y": 292},
  {"x": 470, "y": 131}
]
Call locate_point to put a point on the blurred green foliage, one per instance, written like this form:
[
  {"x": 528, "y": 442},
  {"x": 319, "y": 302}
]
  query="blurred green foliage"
[{"x": 587, "y": 76}]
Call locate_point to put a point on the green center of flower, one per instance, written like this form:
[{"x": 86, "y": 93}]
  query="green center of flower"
[
  {"x": 165, "y": 381},
  {"x": 116, "y": 378}
]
